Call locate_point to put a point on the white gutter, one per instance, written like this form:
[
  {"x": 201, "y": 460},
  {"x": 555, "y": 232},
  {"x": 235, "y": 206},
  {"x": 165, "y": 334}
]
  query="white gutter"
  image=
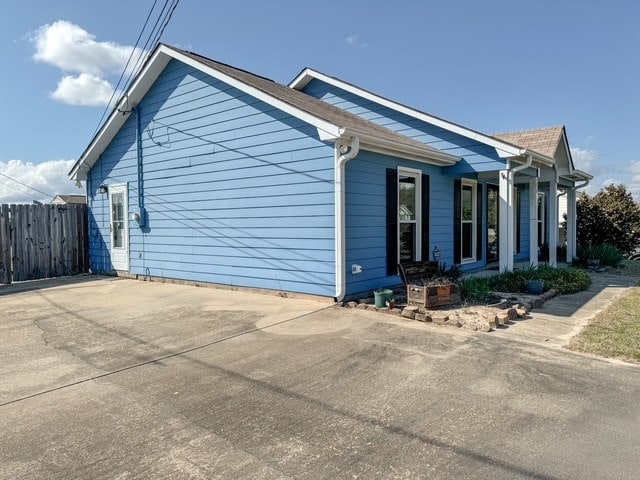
[
  {"x": 585, "y": 184},
  {"x": 524, "y": 166},
  {"x": 343, "y": 154}
]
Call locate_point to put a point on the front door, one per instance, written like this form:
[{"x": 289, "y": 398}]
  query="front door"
[
  {"x": 493, "y": 202},
  {"x": 119, "y": 227}
]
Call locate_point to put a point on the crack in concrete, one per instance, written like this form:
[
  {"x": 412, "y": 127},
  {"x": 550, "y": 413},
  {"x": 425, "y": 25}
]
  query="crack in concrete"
[{"x": 194, "y": 423}]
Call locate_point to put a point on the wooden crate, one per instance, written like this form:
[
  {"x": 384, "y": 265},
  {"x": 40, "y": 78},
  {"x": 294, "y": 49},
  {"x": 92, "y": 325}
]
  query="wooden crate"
[{"x": 433, "y": 296}]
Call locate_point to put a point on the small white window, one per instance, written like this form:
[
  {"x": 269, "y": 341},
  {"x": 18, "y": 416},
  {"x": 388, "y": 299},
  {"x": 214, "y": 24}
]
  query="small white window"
[
  {"x": 409, "y": 215},
  {"x": 468, "y": 219}
]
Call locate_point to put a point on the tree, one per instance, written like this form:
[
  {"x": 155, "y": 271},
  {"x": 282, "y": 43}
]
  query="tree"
[{"x": 611, "y": 216}]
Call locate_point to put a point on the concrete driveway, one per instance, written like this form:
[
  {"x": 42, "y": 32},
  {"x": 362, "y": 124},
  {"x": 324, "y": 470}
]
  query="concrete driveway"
[{"x": 114, "y": 378}]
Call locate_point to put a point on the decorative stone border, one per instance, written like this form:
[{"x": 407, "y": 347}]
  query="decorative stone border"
[{"x": 483, "y": 318}]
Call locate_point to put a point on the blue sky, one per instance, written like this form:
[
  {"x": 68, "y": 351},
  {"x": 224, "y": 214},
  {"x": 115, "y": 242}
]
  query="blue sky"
[{"x": 493, "y": 66}]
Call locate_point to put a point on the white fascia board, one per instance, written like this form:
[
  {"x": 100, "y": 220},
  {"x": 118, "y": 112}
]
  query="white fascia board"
[
  {"x": 330, "y": 129},
  {"x": 568, "y": 150},
  {"x": 302, "y": 79},
  {"x": 503, "y": 149},
  {"x": 418, "y": 153},
  {"x": 151, "y": 72},
  {"x": 119, "y": 115}
]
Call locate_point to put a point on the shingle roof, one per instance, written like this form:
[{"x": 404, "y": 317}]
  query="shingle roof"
[
  {"x": 309, "y": 104},
  {"x": 70, "y": 199},
  {"x": 542, "y": 140}
]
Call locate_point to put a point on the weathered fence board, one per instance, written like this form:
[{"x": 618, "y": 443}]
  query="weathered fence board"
[
  {"x": 5, "y": 245},
  {"x": 42, "y": 241}
]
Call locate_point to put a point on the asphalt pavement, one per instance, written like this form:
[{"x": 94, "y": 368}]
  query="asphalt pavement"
[{"x": 115, "y": 378}]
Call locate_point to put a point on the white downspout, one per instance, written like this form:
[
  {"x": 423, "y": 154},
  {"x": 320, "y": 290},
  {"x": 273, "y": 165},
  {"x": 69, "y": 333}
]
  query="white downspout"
[
  {"x": 343, "y": 154},
  {"x": 525, "y": 165}
]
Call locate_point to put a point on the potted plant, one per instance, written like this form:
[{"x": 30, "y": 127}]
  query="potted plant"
[
  {"x": 381, "y": 295},
  {"x": 535, "y": 286}
]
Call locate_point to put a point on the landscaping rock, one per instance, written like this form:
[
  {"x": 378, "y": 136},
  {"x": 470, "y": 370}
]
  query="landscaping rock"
[
  {"x": 409, "y": 313},
  {"x": 522, "y": 312},
  {"x": 485, "y": 327},
  {"x": 421, "y": 317},
  {"x": 395, "y": 311},
  {"x": 512, "y": 314},
  {"x": 362, "y": 306},
  {"x": 352, "y": 304},
  {"x": 502, "y": 318},
  {"x": 440, "y": 319}
]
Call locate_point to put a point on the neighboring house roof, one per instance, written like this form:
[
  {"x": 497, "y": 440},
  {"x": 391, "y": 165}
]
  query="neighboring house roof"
[
  {"x": 66, "y": 199},
  {"x": 333, "y": 124}
]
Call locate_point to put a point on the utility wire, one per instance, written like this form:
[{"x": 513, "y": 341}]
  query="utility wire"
[
  {"x": 28, "y": 186},
  {"x": 115, "y": 89},
  {"x": 154, "y": 38}
]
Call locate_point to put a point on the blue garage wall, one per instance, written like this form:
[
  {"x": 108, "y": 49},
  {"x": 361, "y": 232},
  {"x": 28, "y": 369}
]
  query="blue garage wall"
[
  {"x": 476, "y": 156},
  {"x": 236, "y": 192},
  {"x": 366, "y": 218}
]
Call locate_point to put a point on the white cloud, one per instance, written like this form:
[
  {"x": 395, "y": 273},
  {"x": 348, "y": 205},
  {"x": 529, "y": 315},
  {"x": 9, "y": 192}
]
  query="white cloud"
[
  {"x": 74, "y": 50},
  {"x": 48, "y": 178},
  {"x": 607, "y": 173},
  {"x": 353, "y": 40},
  {"x": 84, "y": 89},
  {"x": 584, "y": 159}
]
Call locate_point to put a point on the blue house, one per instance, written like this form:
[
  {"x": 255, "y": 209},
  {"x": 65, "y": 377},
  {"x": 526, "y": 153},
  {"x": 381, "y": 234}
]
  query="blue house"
[{"x": 208, "y": 173}]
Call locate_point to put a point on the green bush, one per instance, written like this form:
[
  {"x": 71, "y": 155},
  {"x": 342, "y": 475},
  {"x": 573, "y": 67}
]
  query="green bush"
[
  {"x": 610, "y": 217},
  {"x": 607, "y": 254},
  {"x": 475, "y": 289},
  {"x": 565, "y": 280}
]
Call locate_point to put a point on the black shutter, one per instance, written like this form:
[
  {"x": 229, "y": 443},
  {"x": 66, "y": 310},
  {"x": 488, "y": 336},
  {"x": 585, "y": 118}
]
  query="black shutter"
[
  {"x": 425, "y": 217},
  {"x": 457, "y": 230},
  {"x": 479, "y": 224},
  {"x": 392, "y": 221}
]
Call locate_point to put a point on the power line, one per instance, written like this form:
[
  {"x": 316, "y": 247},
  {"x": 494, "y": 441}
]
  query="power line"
[
  {"x": 133, "y": 50},
  {"x": 28, "y": 186},
  {"x": 154, "y": 38}
]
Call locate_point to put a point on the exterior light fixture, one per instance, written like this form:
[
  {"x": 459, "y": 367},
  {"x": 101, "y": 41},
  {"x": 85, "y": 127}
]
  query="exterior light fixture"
[
  {"x": 103, "y": 189},
  {"x": 436, "y": 254}
]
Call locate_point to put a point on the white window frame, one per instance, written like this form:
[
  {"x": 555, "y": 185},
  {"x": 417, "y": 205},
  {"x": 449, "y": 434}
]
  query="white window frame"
[
  {"x": 517, "y": 217},
  {"x": 474, "y": 220},
  {"x": 417, "y": 175},
  {"x": 542, "y": 216}
]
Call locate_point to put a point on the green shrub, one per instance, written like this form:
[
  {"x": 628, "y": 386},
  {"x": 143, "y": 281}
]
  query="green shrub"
[
  {"x": 452, "y": 273},
  {"x": 475, "y": 289},
  {"x": 611, "y": 216},
  {"x": 565, "y": 280},
  {"x": 607, "y": 254}
]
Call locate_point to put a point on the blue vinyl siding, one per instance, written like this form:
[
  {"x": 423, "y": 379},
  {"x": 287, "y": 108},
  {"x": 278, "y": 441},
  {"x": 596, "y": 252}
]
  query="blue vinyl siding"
[
  {"x": 366, "y": 218},
  {"x": 524, "y": 223},
  {"x": 476, "y": 156},
  {"x": 236, "y": 192}
]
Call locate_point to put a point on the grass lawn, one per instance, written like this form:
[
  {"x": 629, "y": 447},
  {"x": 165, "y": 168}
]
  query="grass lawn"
[{"x": 614, "y": 332}]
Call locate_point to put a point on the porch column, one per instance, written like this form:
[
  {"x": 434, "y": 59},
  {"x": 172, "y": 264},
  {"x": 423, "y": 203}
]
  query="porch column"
[
  {"x": 553, "y": 222},
  {"x": 505, "y": 236},
  {"x": 533, "y": 222},
  {"x": 571, "y": 224}
]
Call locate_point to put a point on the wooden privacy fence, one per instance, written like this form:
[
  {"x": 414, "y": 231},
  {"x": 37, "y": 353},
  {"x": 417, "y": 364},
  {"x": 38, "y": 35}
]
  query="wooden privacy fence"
[{"x": 42, "y": 241}]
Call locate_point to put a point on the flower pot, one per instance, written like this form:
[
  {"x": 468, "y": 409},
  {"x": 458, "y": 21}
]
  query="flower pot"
[
  {"x": 381, "y": 296},
  {"x": 535, "y": 287}
]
